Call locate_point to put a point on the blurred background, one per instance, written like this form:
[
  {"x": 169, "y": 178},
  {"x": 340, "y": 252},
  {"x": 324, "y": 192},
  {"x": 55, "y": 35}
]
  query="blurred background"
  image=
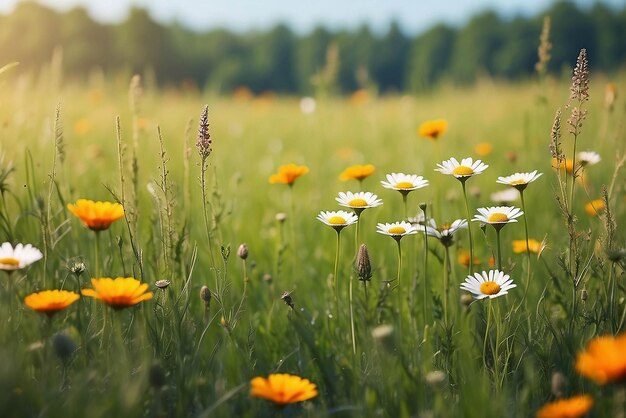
[{"x": 279, "y": 46}]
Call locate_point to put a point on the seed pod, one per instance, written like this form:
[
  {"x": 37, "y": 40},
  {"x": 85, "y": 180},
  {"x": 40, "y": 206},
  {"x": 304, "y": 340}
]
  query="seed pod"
[
  {"x": 205, "y": 295},
  {"x": 242, "y": 251},
  {"x": 363, "y": 265}
]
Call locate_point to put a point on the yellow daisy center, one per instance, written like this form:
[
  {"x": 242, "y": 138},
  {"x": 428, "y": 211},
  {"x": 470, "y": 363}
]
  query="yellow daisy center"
[
  {"x": 336, "y": 220},
  {"x": 497, "y": 218},
  {"x": 516, "y": 182},
  {"x": 9, "y": 261},
  {"x": 463, "y": 171},
  {"x": 404, "y": 185},
  {"x": 489, "y": 288},
  {"x": 357, "y": 202},
  {"x": 443, "y": 227},
  {"x": 396, "y": 230}
]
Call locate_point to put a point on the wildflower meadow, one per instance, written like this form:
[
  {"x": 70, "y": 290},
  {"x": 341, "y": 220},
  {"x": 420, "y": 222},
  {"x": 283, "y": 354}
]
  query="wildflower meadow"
[{"x": 175, "y": 253}]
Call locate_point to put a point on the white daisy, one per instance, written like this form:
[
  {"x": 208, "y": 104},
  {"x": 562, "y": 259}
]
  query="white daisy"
[
  {"x": 519, "y": 180},
  {"x": 588, "y": 158},
  {"x": 443, "y": 232},
  {"x": 396, "y": 230},
  {"x": 404, "y": 183},
  {"x": 504, "y": 196},
  {"x": 498, "y": 216},
  {"x": 358, "y": 201},
  {"x": 489, "y": 284},
  {"x": 463, "y": 170},
  {"x": 18, "y": 257},
  {"x": 337, "y": 219}
]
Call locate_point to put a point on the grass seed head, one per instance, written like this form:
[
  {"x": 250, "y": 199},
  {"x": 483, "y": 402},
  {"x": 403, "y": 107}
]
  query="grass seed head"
[{"x": 205, "y": 295}]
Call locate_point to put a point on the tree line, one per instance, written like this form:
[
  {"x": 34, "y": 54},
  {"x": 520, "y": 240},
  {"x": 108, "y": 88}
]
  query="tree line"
[{"x": 282, "y": 61}]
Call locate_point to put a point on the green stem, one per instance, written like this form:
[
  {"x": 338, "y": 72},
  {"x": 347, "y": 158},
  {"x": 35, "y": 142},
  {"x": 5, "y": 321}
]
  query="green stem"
[
  {"x": 425, "y": 274},
  {"x": 521, "y": 193},
  {"x": 499, "y": 248},
  {"x": 446, "y": 283},
  {"x": 487, "y": 335},
  {"x": 352, "y": 319},
  {"x": 404, "y": 201},
  {"x": 335, "y": 287},
  {"x": 469, "y": 228},
  {"x": 97, "y": 270}
]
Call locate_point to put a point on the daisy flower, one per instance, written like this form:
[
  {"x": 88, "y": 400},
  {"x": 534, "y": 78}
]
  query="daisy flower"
[
  {"x": 443, "y": 232},
  {"x": 498, "y": 216},
  {"x": 283, "y": 389},
  {"x": 504, "y": 196},
  {"x": 96, "y": 216},
  {"x": 357, "y": 172},
  {"x": 19, "y": 257},
  {"x": 519, "y": 180},
  {"x": 404, "y": 183},
  {"x": 358, "y": 201},
  {"x": 491, "y": 284},
  {"x": 50, "y": 301},
  {"x": 118, "y": 293},
  {"x": 396, "y": 230},
  {"x": 337, "y": 219},
  {"x": 463, "y": 170},
  {"x": 287, "y": 174},
  {"x": 588, "y": 158},
  {"x": 433, "y": 129}
]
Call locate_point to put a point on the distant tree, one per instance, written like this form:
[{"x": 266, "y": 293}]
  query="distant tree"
[
  {"x": 310, "y": 57},
  {"x": 609, "y": 36},
  {"x": 571, "y": 31},
  {"x": 355, "y": 52},
  {"x": 389, "y": 59},
  {"x": 429, "y": 58},
  {"x": 273, "y": 63},
  {"x": 518, "y": 54}
]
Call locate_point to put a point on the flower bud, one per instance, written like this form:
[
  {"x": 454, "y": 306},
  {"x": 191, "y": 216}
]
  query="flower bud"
[
  {"x": 363, "y": 265},
  {"x": 205, "y": 295},
  {"x": 242, "y": 252}
]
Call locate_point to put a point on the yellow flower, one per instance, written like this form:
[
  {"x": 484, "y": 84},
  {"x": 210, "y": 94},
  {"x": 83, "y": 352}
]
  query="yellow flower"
[
  {"x": 118, "y": 293},
  {"x": 594, "y": 207},
  {"x": 483, "y": 149},
  {"x": 82, "y": 127},
  {"x": 357, "y": 172},
  {"x": 604, "y": 361},
  {"x": 433, "y": 129},
  {"x": 96, "y": 215},
  {"x": 519, "y": 246},
  {"x": 287, "y": 174},
  {"x": 50, "y": 301},
  {"x": 573, "y": 407},
  {"x": 283, "y": 389},
  {"x": 463, "y": 258}
]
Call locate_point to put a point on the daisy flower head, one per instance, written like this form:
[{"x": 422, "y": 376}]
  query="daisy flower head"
[
  {"x": 287, "y": 174},
  {"x": 118, "y": 293},
  {"x": 357, "y": 172},
  {"x": 498, "y": 216},
  {"x": 358, "y": 201},
  {"x": 337, "y": 219},
  {"x": 519, "y": 180},
  {"x": 504, "y": 196},
  {"x": 404, "y": 183},
  {"x": 433, "y": 129},
  {"x": 588, "y": 158},
  {"x": 50, "y": 301},
  {"x": 283, "y": 389},
  {"x": 488, "y": 284},
  {"x": 19, "y": 257},
  {"x": 443, "y": 232},
  {"x": 574, "y": 407},
  {"x": 96, "y": 216},
  {"x": 396, "y": 230},
  {"x": 463, "y": 170},
  {"x": 603, "y": 360}
]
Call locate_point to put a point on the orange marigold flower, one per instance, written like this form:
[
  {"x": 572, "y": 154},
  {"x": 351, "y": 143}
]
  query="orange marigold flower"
[
  {"x": 283, "y": 389},
  {"x": 357, "y": 172},
  {"x": 118, "y": 293},
  {"x": 96, "y": 216},
  {"x": 463, "y": 257},
  {"x": 433, "y": 129},
  {"x": 519, "y": 246},
  {"x": 483, "y": 149},
  {"x": 50, "y": 301},
  {"x": 567, "y": 165},
  {"x": 594, "y": 207},
  {"x": 603, "y": 361},
  {"x": 573, "y": 407},
  {"x": 287, "y": 174}
]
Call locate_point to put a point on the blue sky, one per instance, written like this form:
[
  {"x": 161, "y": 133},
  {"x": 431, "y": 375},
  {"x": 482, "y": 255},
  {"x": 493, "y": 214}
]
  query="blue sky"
[{"x": 302, "y": 15}]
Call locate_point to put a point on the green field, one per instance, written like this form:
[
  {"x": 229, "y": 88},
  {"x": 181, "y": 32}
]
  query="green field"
[{"x": 174, "y": 355}]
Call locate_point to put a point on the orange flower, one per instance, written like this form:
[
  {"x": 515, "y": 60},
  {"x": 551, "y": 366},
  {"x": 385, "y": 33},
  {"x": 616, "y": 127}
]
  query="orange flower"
[
  {"x": 568, "y": 165},
  {"x": 573, "y": 407},
  {"x": 96, "y": 216},
  {"x": 118, "y": 293},
  {"x": 594, "y": 207},
  {"x": 604, "y": 361},
  {"x": 433, "y": 129},
  {"x": 283, "y": 389},
  {"x": 483, "y": 149},
  {"x": 357, "y": 172},
  {"x": 287, "y": 174},
  {"x": 519, "y": 246},
  {"x": 463, "y": 258},
  {"x": 50, "y": 301}
]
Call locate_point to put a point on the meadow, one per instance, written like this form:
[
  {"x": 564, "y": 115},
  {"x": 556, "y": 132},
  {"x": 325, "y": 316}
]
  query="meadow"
[{"x": 405, "y": 342}]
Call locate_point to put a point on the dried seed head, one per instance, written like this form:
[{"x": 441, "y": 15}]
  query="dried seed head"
[
  {"x": 267, "y": 278},
  {"x": 242, "y": 251},
  {"x": 580, "y": 78},
  {"x": 280, "y": 217},
  {"x": 555, "y": 139},
  {"x": 363, "y": 266},
  {"x": 286, "y": 297},
  {"x": 558, "y": 384},
  {"x": 584, "y": 295},
  {"x": 76, "y": 267},
  {"x": 543, "y": 52},
  {"x": 156, "y": 376},
  {"x": 205, "y": 295},
  {"x": 63, "y": 345},
  {"x": 204, "y": 138},
  {"x": 163, "y": 284}
]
